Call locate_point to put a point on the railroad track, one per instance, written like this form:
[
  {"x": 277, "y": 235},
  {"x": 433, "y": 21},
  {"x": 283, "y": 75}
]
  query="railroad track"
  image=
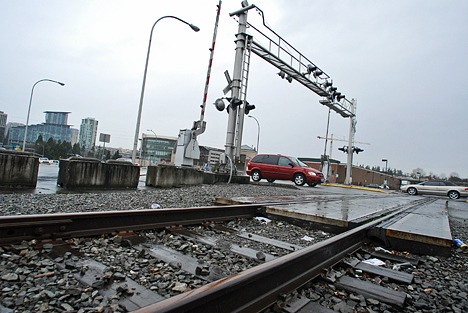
[{"x": 105, "y": 255}]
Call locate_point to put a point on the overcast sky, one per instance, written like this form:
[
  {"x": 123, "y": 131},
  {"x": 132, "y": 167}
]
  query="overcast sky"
[{"x": 404, "y": 61}]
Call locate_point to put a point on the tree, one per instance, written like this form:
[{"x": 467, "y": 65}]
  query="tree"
[
  {"x": 418, "y": 172},
  {"x": 76, "y": 150},
  {"x": 116, "y": 155},
  {"x": 39, "y": 146}
]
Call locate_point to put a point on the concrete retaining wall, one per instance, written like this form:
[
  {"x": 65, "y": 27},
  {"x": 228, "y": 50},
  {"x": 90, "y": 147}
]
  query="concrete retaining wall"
[
  {"x": 18, "y": 170},
  {"x": 166, "y": 176},
  {"x": 92, "y": 173}
]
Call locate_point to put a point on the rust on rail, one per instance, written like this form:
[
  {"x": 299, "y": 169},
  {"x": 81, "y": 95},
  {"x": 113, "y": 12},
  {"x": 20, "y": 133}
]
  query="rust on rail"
[{"x": 14, "y": 229}]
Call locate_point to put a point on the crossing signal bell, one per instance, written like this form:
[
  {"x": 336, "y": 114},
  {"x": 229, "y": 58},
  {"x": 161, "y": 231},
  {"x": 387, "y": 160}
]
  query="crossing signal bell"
[
  {"x": 219, "y": 104},
  {"x": 233, "y": 103}
]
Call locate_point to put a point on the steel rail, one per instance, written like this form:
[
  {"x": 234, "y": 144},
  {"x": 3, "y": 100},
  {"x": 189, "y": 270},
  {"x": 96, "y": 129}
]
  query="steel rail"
[
  {"x": 259, "y": 287},
  {"x": 14, "y": 229}
]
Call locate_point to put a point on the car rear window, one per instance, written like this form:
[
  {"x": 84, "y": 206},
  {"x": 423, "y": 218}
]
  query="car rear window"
[{"x": 267, "y": 159}]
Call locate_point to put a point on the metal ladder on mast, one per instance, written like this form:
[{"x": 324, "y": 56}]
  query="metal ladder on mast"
[{"x": 243, "y": 94}]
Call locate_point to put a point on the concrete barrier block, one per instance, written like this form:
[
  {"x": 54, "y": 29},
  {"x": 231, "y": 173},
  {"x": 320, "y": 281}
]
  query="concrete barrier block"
[
  {"x": 122, "y": 175},
  {"x": 18, "y": 170},
  {"x": 167, "y": 176},
  {"x": 92, "y": 173}
]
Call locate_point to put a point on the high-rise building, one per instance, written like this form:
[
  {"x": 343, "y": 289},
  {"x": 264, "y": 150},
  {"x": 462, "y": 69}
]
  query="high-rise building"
[
  {"x": 88, "y": 133},
  {"x": 55, "y": 127},
  {"x": 3, "y": 122},
  {"x": 56, "y": 118}
]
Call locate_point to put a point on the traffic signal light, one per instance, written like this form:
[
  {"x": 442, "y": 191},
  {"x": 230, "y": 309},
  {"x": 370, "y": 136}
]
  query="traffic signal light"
[{"x": 248, "y": 107}]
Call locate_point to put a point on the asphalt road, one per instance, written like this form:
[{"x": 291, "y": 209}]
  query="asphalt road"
[{"x": 47, "y": 183}]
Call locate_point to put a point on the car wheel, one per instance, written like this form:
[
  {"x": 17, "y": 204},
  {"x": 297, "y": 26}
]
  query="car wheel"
[
  {"x": 299, "y": 179},
  {"x": 412, "y": 191},
  {"x": 312, "y": 184},
  {"x": 270, "y": 180},
  {"x": 453, "y": 194},
  {"x": 256, "y": 176}
]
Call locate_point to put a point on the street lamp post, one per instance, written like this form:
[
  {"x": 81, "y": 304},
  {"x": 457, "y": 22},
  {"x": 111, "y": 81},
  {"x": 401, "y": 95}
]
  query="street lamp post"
[
  {"x": 150, "y": 130},
  {"x": 137, "y": 128},
  {"x": 29, "y": 108},
  {"x": 386, "y": 171},
  {"x": 258, "y": 130}
]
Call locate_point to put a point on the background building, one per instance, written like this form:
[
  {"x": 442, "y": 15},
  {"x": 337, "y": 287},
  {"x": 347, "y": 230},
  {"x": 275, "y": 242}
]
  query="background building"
[
  {"x": 55, "y": 127},
  {"x": 3, "y": 122},
  {"x": 155, "y": 149},
  {"x": 7, "y": 142},
  {"x": 88, "y": 133},
  {"x": 208, "y": 155}
]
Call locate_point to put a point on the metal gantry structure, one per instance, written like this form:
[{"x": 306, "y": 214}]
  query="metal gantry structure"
[{"x": 292, "y": 64}]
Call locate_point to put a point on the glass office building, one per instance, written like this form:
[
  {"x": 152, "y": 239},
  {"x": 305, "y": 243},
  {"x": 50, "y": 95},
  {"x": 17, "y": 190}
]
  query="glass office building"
[
  {"x": 157, "y": 149},
  {"x": 55, "y": 127}
]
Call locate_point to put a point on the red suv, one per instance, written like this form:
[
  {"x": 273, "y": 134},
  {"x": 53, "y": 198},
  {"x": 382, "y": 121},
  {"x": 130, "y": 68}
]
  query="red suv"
[{"x": 276, "y": 166}]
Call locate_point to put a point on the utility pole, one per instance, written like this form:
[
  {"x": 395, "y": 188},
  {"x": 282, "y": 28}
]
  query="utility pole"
[
  {"x": 241, "y": 42},
  {"x": 352, "y": 131}
]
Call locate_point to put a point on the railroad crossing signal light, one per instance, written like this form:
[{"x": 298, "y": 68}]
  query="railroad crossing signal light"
[
  {"x": 344, "y": 149},
  {"x": 311, "y": 68},
  {"x": 234, "y": 102},
  {"x": 357, "y": 150},
  {"x": 248, "y": 107}
]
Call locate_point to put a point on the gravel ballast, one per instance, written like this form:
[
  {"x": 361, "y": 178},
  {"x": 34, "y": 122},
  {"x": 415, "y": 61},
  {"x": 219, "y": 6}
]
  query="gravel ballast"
[{"x": 441, "y": 284}]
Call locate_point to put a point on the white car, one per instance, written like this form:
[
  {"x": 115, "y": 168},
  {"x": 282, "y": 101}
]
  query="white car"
[
  {"x": 436, "y": 187},
  {"x": 45, "y": 161}
]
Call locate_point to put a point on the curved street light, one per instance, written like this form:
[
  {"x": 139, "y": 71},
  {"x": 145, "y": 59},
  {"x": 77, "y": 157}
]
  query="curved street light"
[
  {"x": 258, "y": 130},
  {"x": 137, "y": 128},
  {"x": 150, "y": 130},
  {"x": 29, "y": 108}
]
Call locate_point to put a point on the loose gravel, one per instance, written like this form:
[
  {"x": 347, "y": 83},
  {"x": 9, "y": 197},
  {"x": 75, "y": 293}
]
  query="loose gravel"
[{"x": 32, "y": 282}]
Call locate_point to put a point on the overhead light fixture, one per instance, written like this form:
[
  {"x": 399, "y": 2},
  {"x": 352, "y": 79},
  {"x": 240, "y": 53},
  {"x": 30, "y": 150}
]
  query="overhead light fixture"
[
  {"x": 317, "y": 73},
  {"x": 289, "y": 78},
  {"x": 327, "y": 84},
  {"x": 282, "y": 74},
  {"x": 338, "y": 98}
]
